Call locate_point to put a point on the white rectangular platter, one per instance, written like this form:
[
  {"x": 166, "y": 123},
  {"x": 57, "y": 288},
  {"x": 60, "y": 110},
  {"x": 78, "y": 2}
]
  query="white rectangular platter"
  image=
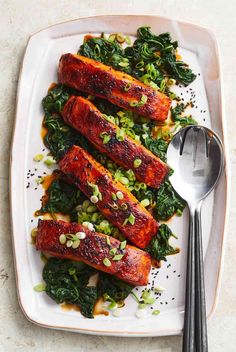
[{"x": 198, "y": 48}]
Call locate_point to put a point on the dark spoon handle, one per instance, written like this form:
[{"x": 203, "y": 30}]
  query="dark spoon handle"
[
  {"x": 189, "y": 317},
  {"x": 200, "y": 305}
]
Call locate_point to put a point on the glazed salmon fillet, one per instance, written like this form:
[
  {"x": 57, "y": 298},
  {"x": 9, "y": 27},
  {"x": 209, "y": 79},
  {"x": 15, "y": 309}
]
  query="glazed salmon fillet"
[
  {"x": 133, "y": 266},
  {"x": 82, "y": 115},
  {"x": 119, "y": 88},
  {"x": 125, "y": 212}
]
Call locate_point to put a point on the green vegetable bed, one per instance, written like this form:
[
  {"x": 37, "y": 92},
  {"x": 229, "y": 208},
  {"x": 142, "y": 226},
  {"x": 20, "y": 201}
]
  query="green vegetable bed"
[{"x": 152, "y": 59}]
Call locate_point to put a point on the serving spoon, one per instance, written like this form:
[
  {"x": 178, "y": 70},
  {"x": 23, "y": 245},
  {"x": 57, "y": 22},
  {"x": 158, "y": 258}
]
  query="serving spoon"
[{"x": 197, "y": 157}]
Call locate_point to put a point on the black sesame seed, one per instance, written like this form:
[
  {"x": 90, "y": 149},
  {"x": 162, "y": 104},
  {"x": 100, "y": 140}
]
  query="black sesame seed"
[
  {"x": 166, "y": 302},
  {"x": 31, "y": 220},
  {"x": 161, "y": 302},
  {"x": 174, "y": 271},
  {"x": 167, "y": 276},
  {"x": 179, "y": 275},
  {"x": 173, "y": 299}
]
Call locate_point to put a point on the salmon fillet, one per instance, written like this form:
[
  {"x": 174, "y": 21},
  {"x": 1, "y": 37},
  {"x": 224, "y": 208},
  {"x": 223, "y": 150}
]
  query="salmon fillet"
[
  {"x": 133, "y": 267},
  {"x": 133, "y": 220},
  {"x": 82, "y": 115},
  {"x": 119, "y": 88}
]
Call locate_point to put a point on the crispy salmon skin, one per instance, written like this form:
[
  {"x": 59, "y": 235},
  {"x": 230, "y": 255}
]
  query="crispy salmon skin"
[
  {"x": 133, "y": 220},
  {"x": 95, "y": 78},
  {"x": 82, "y": 115},
  {"x": 94, "y": 250}
]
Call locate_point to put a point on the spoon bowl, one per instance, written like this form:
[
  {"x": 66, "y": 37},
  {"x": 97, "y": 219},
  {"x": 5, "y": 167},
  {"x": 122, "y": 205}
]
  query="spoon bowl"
[{"x": 196, "y": 155}]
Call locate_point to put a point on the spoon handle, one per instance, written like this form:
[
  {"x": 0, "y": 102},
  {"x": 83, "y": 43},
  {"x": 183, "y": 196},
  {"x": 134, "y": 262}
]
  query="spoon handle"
[
  {"x": 189, "y": 317},
  {"x": 200, "y": 305}
]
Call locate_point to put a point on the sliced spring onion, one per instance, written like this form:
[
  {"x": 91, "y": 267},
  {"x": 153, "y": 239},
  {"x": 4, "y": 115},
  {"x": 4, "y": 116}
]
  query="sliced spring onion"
[
  {"x": 132, "y": 219},
  {"x": 119, "y": 195},
  {"x": 124, "y": 180},
  {"x": 156, "y": 312},
  {"x": 81, "y": 235},
  {"x": 113, "y": 251},
  {"x": 143, "y": 100},
  {"x": 69, "y": 243},
  {"x": 40, "y": 287},
  {"x": 62, "y": 239},
  {"x": 38, "y": 157},
  {"x": 106, "y": 262},
  {"x": 116, "y": 313},
  {"x": 120, "y": 135},
  {"x": 76, "y": 244},
  {"x": 124, "y": 206},
  {"x": 141, "y": 313},
  {"x": 137, "y": 163},
  {"x": 140, "y": 64},
  {"x": 105, "y": 137},
  {"x": 50, "y": 161},
  {"x": 123, "y": 64},
  {"x": 120, "y": 38},
  {"x": 145, "y": 202},
  {"x": 91, "y": 209},
  {"x": 34, "y": 233},
  {"x": 108, "y": 241},
  {"x": 103, "y": 224},
  {"x": 112, "y": 306},
  {"x": 118, "y": 257},
  {"x": 170, "y": 82},
  {"x": 127, "y": 87},
  {"x": 94, "y": 199},
  {"x": 123, "y": 245},
  {"x": 113, "y": 196},
  {"x": 112, "y": 37},
  {"x": 127, "y": 40},
  {"x": 142, "y": 306}
]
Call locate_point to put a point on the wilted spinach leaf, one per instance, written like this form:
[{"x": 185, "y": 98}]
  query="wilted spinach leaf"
[
  {"x": 159, "y": 246},
  {"x": 176, "y": 116},
  {"x": 116, "y": 289},
  {"x": 66, "y": 282},
  {"x": 168, "y": 202},
  {"x": 61, "y": 197}
]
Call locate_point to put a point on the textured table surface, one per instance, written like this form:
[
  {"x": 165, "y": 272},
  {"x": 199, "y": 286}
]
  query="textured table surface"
[{"x": 19, "y": 19}]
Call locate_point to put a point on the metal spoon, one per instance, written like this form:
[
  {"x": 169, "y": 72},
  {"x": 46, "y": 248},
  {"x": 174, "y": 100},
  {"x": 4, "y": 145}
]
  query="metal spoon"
[{"x": 196, "y": 155}]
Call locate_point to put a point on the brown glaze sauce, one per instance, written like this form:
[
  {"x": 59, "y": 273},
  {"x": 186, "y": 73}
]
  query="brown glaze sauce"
[
  {"x": 52, "y": 85},
  {"x": 43, "y": 132},
  {"x": 98, "y": 309},
  {"x": 47, "y": 180}
]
